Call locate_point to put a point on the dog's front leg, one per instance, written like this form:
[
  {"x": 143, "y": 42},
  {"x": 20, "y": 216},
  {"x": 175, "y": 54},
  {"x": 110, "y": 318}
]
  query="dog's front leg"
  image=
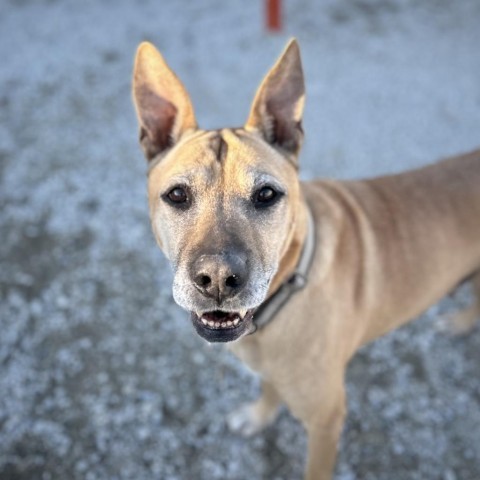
[
  {"x": 253, "y": 417},
  {"x": 324, "y": 427},
  {"x": 322, "y": 448}
]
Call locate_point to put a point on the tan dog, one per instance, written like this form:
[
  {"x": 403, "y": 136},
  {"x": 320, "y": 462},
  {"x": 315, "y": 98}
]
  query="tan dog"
[{"x": 229, "y": 212}]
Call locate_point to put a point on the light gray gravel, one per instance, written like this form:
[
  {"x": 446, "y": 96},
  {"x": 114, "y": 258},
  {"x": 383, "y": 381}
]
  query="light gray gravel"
[{"x": 101, "y": 375}]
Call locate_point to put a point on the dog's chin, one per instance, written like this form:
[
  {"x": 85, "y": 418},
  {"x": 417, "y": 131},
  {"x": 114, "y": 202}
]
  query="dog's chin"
[{"x": 220, "y": 326}]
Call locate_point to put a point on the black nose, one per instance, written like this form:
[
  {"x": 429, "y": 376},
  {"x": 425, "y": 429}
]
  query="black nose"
[{"x": 219, "y": 276}]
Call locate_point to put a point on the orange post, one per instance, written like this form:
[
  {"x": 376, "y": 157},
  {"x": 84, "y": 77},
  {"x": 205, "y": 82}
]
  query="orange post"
[{"x": 274, "y": 15}]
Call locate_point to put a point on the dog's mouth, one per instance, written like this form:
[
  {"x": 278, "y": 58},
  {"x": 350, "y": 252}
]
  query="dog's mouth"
[{"x": 220, "y": 326}]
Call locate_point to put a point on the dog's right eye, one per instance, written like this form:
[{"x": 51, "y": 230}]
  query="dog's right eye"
[
  {"x": 177, "y": 196},
  {"x": 265, "y": 197}
]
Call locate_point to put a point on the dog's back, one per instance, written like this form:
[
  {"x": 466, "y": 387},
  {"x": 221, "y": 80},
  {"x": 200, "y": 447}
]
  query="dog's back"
[{"x": 414, "y": 236}]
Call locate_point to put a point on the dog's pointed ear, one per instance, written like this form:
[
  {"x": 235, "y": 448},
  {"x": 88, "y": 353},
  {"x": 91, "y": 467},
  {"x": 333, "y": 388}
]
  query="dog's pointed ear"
[
  {"x": 163, "y": 106},
  {"x": 278, "y": 105}
]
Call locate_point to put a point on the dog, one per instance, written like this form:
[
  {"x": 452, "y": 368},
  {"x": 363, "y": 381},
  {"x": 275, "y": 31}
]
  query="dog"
[{"x": 336, "y": 263}]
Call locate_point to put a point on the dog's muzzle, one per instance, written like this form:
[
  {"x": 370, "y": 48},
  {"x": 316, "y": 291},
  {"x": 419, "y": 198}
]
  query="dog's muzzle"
[{"x": 219, "y": 280}]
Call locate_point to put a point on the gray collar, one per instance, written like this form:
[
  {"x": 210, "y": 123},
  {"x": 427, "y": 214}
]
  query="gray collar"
[{"x": 267, "y": 311}]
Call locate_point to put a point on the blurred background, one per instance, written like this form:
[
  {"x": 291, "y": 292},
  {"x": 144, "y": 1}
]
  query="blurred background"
[{"x": 101, "y": 375}]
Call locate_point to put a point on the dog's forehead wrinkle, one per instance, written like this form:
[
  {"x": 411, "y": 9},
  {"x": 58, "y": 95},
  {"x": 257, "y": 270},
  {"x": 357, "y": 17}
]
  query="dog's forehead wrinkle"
[{"x": 219, "y": 146}]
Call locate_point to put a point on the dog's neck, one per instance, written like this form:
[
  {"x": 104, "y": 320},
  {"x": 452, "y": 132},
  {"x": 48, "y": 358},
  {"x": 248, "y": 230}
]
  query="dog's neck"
[{"x": 293, "y": 251}]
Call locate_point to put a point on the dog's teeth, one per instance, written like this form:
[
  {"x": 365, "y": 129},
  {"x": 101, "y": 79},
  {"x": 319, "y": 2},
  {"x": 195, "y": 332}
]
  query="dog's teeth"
[{"x": 225, "y": 324}]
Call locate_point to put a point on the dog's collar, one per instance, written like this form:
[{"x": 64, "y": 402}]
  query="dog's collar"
[{"x": 267, "y": 311}]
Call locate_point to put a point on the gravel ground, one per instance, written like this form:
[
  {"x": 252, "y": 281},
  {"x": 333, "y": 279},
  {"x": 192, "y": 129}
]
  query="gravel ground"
[{"x": 102, "y": 376}]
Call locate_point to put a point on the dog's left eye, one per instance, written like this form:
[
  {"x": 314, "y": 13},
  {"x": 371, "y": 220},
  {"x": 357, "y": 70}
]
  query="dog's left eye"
[{"x": 265, "y": 197}]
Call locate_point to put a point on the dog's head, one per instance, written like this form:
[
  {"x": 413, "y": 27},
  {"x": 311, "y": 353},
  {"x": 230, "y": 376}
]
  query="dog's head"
[{"x": 223, "y": 203}]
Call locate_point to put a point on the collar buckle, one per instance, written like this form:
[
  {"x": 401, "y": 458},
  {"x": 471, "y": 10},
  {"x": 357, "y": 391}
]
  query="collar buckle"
[{"x": 297, "y": 281}]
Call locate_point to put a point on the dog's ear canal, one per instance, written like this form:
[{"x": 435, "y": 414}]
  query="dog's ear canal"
[
  {"x": 278, "y": 105},
  {"x": 163, "y": 106}
]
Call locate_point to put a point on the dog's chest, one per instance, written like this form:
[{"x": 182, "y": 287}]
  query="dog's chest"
[{"x": 248, "y": 350}]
